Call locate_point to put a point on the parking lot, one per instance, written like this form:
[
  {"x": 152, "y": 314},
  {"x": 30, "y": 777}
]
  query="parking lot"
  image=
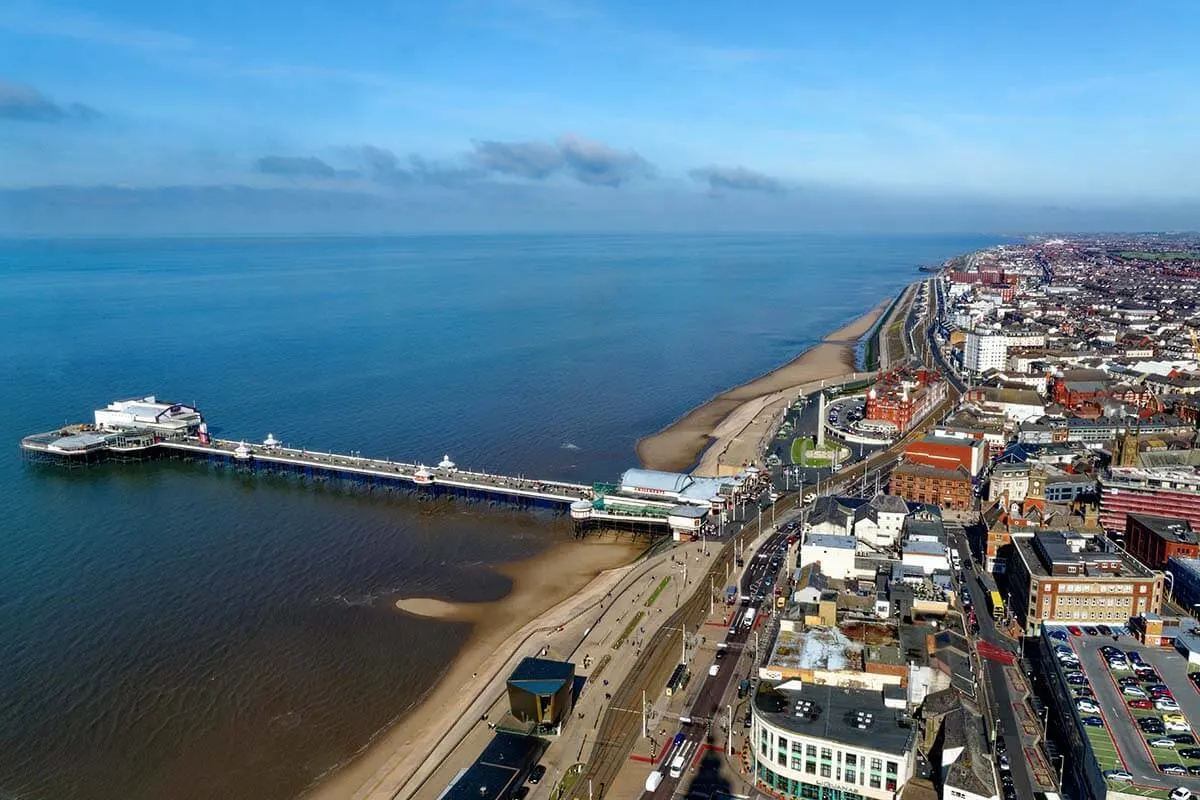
[{"x": 1133, "y": 752}]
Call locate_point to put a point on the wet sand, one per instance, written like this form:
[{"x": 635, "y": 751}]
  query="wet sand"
[
  {"x": 546, "y": 590},
  {"x": 715, "y": 424}
]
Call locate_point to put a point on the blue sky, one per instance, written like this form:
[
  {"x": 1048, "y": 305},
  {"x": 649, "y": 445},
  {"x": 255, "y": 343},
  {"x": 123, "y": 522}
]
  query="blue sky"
[{"x": 607, "y": 105}]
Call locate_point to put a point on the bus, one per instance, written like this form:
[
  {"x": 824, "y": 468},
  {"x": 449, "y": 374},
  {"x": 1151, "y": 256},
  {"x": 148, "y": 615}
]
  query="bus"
[{"x": 997, "y": 604}]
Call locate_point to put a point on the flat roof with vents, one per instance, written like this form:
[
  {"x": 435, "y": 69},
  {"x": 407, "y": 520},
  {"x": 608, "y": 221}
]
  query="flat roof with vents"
[{"x": 838, "y": 714}]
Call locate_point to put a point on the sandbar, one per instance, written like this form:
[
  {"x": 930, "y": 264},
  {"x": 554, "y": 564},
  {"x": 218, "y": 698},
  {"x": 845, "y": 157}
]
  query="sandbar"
[{"x": 716, "y": 423}]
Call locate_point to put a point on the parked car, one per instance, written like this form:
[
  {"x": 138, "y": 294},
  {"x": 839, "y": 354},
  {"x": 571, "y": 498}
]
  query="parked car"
[
  {"x": 536, "y": 774},
  {"x": 1173, "y": 769},
  {"x": 1104, "y": 630},
  {"x": 1077, "y": 679},
  {"x": 1128, "y": 680},
  {"x": 1142, "y": 703},
  {"x": 1132, "y": 691},
  {"x": 1087, "y": 706},
  {"x": 1118, "y": 664},
  {"x": 1162, "y": 741},
  {"x": 1174, "y": 718},
  {"x": 1058, "y": 635},
  {"x": 1094, "y": 722},
  {"x": 1182, "y": 738},
  {"x": 1075, "y": 630},
  {"x": 1182, "y": 793},
  {"x": 1190, "y": 752},
  {"x": 1083, "y": 691},
  {"x": 1090, "y": 631},
  {"x": 1166, "y": 704},
  {"x": 1147, "y": 674},
  {"x": 1177, "y": 727}
]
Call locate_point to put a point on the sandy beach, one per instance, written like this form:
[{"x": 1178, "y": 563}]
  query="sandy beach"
[
  {"x": 544, "y": 588},
  {"x": 712, "y": 427}
]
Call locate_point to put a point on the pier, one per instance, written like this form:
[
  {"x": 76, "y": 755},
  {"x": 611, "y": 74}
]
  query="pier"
[{"x": 144, "y": 429}]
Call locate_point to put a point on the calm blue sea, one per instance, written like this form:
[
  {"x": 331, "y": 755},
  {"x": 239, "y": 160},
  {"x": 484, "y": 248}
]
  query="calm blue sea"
[{"x": 171, "y": 631}]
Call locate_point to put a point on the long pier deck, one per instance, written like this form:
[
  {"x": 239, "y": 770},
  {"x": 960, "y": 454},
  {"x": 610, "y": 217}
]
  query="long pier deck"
[
  {"x": 79, "y": 445},
  {"x": 547, "y": 491}
]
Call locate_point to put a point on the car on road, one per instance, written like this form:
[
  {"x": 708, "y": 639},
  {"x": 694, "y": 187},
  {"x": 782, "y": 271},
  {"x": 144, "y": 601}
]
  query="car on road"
[
  {"x": 521, "y": 793},
  {"x": 1003, "y": 762},
  {"x": 1093, "y": 722},
  {"x": 1075, "y": 630},
  {"x": 536, "y": 774},
  {"x": 1162, "y": 741},
  {"x": 1010, "y": 793},
  {"x": 1173, "y": 769},
  {"x": 1118, "y": 775},
  {"x": 1141, "y": 703}
]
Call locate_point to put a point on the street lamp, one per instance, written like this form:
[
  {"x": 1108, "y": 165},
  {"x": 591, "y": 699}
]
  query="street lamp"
[{"x": 729, "y": 729}]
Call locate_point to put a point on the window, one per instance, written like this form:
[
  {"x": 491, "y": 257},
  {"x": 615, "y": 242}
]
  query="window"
[
  {"x": 826, "y": 770},
  {"x": 782, "y": 758},
  {"x": 876, "y": 764},
  {"x": 892, "y": 767},
  {"x": 811, "y": 751},
  {"x": 810, "y": 767},
  {"x": 851, "y": 759},
  {"x": 876, "y": 781},
  {"x": 826, "y": 754},
  {"x": 851, "y": 776}
]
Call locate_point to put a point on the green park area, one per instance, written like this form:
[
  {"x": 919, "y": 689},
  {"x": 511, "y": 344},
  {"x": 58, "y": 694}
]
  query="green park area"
[
  {"x": 806, "y": 454},
  {"x": 654, "y": 595}
]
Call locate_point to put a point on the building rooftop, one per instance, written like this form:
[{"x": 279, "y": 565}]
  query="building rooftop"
[
  {"x": 830, "y": 540},
  {"x": 1057, "y": 553},
  {"x": 541, "y": 676},
  {"x": 852, "y": 717},
  {"x": 1170, "y": 529}
]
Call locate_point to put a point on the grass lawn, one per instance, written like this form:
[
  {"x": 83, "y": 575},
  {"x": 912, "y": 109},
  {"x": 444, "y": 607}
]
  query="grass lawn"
[
  {"x": 654, "y": 595},
  {"x": 800, "y": 446},
  {"x": 633, "y": 623}
]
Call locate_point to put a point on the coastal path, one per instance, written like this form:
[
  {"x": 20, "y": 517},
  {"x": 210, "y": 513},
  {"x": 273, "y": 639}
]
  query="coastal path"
[{"x": 586, "y": 629}]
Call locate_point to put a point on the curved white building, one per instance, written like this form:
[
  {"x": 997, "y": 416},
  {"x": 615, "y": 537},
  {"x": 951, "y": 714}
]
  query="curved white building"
[{"x": 822, "y": 742}]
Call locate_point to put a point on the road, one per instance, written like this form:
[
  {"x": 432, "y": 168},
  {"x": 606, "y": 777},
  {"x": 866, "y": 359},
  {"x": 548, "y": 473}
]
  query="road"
[
  {"x": 708, "y": 709},
  {"x": 1000, "y": 708}
]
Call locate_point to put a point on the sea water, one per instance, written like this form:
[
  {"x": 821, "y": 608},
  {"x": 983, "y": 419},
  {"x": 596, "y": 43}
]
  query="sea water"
[{"x": 172, "y": 630}]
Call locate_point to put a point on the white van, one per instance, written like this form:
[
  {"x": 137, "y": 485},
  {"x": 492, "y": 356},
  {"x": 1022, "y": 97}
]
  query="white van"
[{"x": 653, "y": 780}]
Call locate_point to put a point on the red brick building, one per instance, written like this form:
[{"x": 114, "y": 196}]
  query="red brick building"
[
  {"x": 1152, "y": 540},
  {"x": 947, "y": 452},
  {"x": 921, "y": 483},
  {"x": 903, "y": 397}
]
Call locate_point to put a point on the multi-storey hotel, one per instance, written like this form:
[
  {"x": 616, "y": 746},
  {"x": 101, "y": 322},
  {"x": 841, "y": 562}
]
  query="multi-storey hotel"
[
  {"x": 1163, "y": 492},
  {"x": 825, "y": 742}
]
